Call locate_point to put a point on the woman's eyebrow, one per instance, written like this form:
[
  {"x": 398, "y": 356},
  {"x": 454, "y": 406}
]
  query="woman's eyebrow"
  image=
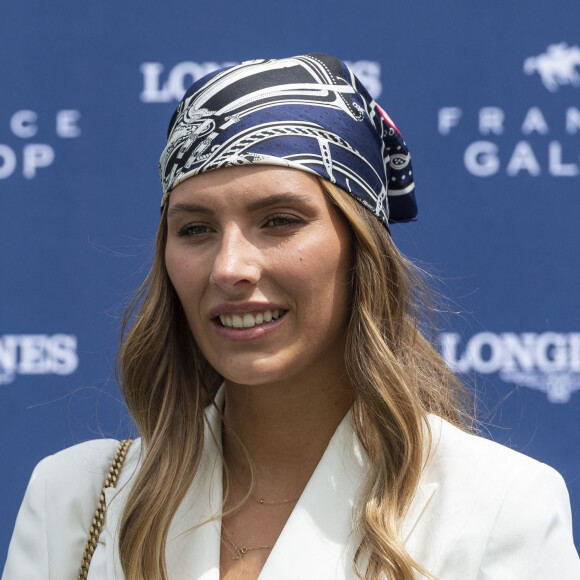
[
  {"x": 277, "y": 199},
  {"x": 269, "y": 201},
  {"x": 180, "y": 208}
]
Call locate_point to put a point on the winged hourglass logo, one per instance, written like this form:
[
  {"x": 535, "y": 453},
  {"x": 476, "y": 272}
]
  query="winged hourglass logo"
[{"x": 545, "y": 361}]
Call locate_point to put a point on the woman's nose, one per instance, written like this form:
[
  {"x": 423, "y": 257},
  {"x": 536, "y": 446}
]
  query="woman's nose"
[{"x": 236, "y": 263}]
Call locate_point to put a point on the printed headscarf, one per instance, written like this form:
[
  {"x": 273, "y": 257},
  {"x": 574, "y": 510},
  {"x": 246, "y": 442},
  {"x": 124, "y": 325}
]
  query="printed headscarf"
[{"x": 306, "y": 112}]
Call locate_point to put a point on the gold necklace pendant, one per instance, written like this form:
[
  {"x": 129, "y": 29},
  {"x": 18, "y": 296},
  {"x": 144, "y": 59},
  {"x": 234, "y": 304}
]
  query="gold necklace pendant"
[
  {"x": 241, "y": 552},
  {"x": 238, "y": 553}
]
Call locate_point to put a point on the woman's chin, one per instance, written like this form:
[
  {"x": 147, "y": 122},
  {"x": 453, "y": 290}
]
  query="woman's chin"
[
  {"x": 250, "y": 379},
  {"x": 252, "y": 375},
  {"x": 252, "y": 368}
]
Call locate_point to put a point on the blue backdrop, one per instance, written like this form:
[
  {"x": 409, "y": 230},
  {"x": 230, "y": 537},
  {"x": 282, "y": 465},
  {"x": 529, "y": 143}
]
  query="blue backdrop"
[{"x": 486, "y": 94}]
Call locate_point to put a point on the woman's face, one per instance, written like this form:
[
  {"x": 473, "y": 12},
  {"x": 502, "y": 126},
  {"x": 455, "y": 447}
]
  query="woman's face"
[{"x": 260, "y": 261}]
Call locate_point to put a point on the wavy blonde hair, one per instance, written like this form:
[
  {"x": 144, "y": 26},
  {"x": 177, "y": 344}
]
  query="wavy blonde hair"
[{"x": 397, "y": 375}]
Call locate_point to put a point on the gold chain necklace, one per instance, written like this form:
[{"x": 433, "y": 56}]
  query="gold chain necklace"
[
  {"x": 239, "y": 552},
  {"x": 262, "y": 501}
]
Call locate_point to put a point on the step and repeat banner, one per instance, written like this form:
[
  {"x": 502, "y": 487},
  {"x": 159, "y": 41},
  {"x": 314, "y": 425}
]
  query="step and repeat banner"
[{"x": 487, "y": 96}]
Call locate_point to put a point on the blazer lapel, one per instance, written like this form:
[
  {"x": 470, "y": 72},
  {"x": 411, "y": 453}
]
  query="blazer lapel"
[
  {"x": 427, "y": 486},
  {"x": 316, "y": 542},
  {"x": 421, "y": 500}
]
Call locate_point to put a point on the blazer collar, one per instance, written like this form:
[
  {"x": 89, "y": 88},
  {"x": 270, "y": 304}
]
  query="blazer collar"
[{"x": 317, "y": 540}]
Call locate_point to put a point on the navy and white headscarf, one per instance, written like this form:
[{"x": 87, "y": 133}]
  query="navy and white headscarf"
[{"x": 306, "y": 112}]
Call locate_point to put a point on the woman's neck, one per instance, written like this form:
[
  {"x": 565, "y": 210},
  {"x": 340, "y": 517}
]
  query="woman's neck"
[{"x": 285, "y": 430}]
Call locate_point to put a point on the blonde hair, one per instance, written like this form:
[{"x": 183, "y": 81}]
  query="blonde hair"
[
  {"x": 398, "y": 378},
  {"x": 397, "y": 375}
]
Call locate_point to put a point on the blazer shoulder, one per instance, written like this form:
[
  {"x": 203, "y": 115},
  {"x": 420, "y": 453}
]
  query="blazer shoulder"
[
  {"x": 497, "y": 513},
  {"x": 488, "y": 477},
  {"x": 82, "y": 466},
  {"x": 472, "y": 454},
  {"x": 55, "y": 516},
  {"x": 73, "y": 478}
]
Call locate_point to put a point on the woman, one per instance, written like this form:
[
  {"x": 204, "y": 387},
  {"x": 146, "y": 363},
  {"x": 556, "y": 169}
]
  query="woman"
[{"x": 295, "y": 422}]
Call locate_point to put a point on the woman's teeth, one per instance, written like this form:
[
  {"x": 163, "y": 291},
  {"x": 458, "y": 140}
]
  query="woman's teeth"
[{"x": 249, "y": 320}]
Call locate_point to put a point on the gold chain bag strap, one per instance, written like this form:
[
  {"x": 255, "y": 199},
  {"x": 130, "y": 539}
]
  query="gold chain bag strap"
[{"x": 99, "y": 517}]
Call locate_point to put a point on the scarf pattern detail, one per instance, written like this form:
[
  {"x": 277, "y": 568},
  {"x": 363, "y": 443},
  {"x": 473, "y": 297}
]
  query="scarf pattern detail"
[{"x": 307, "y": 112}]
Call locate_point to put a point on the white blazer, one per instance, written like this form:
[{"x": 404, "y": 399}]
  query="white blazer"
[{"x": 481, "y": 512}]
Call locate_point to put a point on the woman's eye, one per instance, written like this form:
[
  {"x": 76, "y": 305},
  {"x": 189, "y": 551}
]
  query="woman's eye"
[
  {"x": 194, "y": 230},
  {"x": 282, "y": 220}
]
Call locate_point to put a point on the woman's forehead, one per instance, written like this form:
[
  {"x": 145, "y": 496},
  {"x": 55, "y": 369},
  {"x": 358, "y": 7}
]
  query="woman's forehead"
[{"x": 256, "y": 186}]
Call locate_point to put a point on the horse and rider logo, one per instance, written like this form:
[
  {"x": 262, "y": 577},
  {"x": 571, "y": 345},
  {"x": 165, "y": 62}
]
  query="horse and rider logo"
[{"x": 556, "y": 66}]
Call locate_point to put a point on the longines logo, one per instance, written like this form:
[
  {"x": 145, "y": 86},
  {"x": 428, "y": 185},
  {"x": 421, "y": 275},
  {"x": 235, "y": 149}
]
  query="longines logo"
[
  {"x": 37, "y": 354},
  {"x": 161, "y": 86},
  {"x": 547, "y": 148},
  {"x": 26, "y": 157},
  {"x": 548, "y": 361}
]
